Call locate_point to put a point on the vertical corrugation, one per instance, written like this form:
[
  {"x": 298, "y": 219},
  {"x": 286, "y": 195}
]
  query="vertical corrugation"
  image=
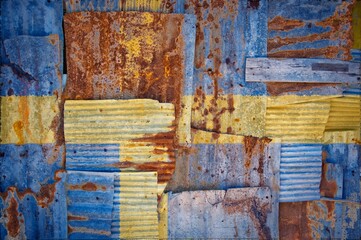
[
  {"x": 135, "y": 205},
  {"x": 300, "y": 172}
]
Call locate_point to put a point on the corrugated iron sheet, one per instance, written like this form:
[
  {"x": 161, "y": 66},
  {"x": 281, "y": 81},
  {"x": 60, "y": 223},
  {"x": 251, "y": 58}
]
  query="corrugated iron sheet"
[
  {"x": 112, "y": 205},
  {"x": 297, "y": 119},
  {"x": 34, "y": 18},
  {"x": 130, "y": 55},
  {"x": 300, "y": 172},
  {"x": 23, "y": 76},
  {"x": 135, "y": 206},
  {"x": 116, "y": 5},
  {"x": 114, "y": 135},
  {"x": 235, "y": 213},
  {"x": 32, "y": 192},
  {"x": 302, "y": 70},
  {"x": 310, "y": 29},
  {"x": 29, "y": 119}
]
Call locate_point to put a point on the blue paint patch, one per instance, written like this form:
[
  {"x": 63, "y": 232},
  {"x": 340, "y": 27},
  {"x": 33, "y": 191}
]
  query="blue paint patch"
[{"x": 34, "y": 67}]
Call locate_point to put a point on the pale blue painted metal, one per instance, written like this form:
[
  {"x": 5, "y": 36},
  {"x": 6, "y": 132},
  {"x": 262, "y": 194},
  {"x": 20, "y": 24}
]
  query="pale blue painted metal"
[
  {"x": 356, "y": 55},
  {"x": 300, "y": 172},
  {"x": 90, "y": 204},
  {"x": 235, "y": 213},
  {"x": 34, "y": 67},
  {"x": 29, "y": 17},
  {"x": 31, "y": 175},
  {"x": 302, "y": 70}
]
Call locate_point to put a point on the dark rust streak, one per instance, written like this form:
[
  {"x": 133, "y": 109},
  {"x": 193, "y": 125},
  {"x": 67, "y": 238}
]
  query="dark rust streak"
[
  {"x": 13, "y": 224},
  {"x": 77, "y": 218},
  {"x": 282, "y": 24},
  {"x": 276, "y": 89},
  {"x": 87, "y": 187}
]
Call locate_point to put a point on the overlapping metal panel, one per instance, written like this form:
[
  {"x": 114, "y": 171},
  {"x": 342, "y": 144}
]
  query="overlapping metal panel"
[
  {"x": 300, "y": 172},
  {"x": 32, "y": 192},
  {"x": 23, "y": 76},
  {"x": 131, "y": 55},
  {"x": 114, "y": 135},
  {"x": 302, "y": 70},
  {"x": 309, "y": 29},
  {"x": 33, "y": 18},
  {"x": 235, "y": 213},
  {"x": 112, "y": 205}
]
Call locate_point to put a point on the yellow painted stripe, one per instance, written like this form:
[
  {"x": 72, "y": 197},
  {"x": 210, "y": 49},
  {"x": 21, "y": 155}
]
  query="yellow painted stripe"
[
  {"x": 29, "y": 119},
  {"x": 137, "y": 206},
  {"x": 163, "y": 217}
]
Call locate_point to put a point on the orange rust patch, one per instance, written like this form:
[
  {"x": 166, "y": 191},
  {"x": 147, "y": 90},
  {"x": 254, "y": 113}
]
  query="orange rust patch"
[
  {"x": 19, "y": 130},
  {"x": 77, "y": 218},
  {"x": 279, "y": 23},
  {"x": 327, "y": 188},
  {"x": 13, "y": 224},
  {"x": 87, "y": 187},
  {"x": 276, "y": 89}
]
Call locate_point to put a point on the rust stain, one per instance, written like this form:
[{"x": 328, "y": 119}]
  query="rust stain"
[
  {"x": 87, "y": 187},
  {"x": 254, "y": 150},
  {"x": 18, "y": 128},
  {"x": 327, "y": 188},
  {"x": 254, "y": 4},
  {"x": 77, "y": 218},
  {"x": 276, "y": 89},
  {"x": 293, "y": 222},
  {"x": 282, "y": 24},
  {"x": 13, "y": 224},
  {"x": 256, "y": 210},
  {"x": 340, "y": 24}
]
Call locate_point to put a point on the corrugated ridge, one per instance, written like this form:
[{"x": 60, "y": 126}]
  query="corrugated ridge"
[
  {"x": 301, "y": 122},
  {"x": 135, "y": 205},
  {"x": 115, "y": 121},
  {"x": 300, "y": 172},
  {"x": 344, "y": 114}
]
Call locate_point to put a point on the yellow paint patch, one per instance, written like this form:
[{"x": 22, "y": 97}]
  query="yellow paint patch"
[
  {"x": 29, "y": 119},
  {"x": 243, "y": 115},
  {"x": 184, "y": 123},
  {"x": 138, "y": 205},
  {"x": 163, "y": 217},
  {"x": 141, "y": 5},
  {"x": 203, "y": 137}
]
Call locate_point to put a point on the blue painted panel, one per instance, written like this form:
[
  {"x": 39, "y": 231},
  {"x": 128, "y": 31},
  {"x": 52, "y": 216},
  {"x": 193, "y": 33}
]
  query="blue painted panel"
[
  {"x": 90, "y": 204},
  {"x": 34, "y": 67},
  {"x": 29, "y": 17}
]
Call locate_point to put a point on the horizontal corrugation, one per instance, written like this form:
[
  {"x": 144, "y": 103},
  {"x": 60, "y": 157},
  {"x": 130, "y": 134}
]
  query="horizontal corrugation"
[
  {"x": 300, "y": 172},
  {"x": 344, "y": 114},
  {"x": 135, "y": 205},
  {"x": 300, "y": 122},
  {"x": 115, "y": 121},
  {"x": 90, "y": 204}
]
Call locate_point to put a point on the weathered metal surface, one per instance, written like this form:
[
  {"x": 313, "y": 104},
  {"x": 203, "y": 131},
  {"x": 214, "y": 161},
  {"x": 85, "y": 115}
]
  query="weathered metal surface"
[
  {"x": 310, "y": 29},
  {"x": 302, "y": 70},
  {"x": 235, "y": 213},
  {"x": 116, "y": 5},
  {"x": 356, "y": 55},
  {"x": 89, "y": 204},
  {"x": 130, "y": 55},
  {"x": 320, "y": 219},
  {"x": 29, "y": 119},
  {"x": 32, "y": 192},
  {"x": 34, "y": 68},
  {"x": 221, "y": 161},
  {"x": 34, "y": 18},
  {"x": 297, "y": 119},
  {"x": 114, "y": 135},
  {"x": 135, "y": 206},
  {"x": 356, "y": 25},
  {"x": 300, "y": 172},
  {"x": 112, "y": 205}
]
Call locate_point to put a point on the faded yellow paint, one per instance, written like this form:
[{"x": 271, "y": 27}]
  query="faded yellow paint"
[
  {"x": 138, "y": 205},
  {"x": 204, "y": 137},
  {"x": 348, "y": 137},
  {"x": 184, "y": 124},
  {"x": 141, "y": 5},
  {"x": 245, "y": 117},
  {"x": 291, "y": 118},
  {"x": 356, "y": 25},
  {"x": 163, "y": 217},
  {"x": 29, "y": 119},
  {"x": 116, "y": 121}
]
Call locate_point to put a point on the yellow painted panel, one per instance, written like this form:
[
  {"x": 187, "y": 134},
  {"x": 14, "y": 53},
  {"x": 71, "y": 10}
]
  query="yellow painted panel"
[
  {"x": 29, "y": 119},
  {"x": 163, "y": 217},
  {"x": 234, "y": 114},
  {"x": 184, "y": 123},
  {"x": 356, "y": 25},
  {"x": 138, "y": 205}
]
